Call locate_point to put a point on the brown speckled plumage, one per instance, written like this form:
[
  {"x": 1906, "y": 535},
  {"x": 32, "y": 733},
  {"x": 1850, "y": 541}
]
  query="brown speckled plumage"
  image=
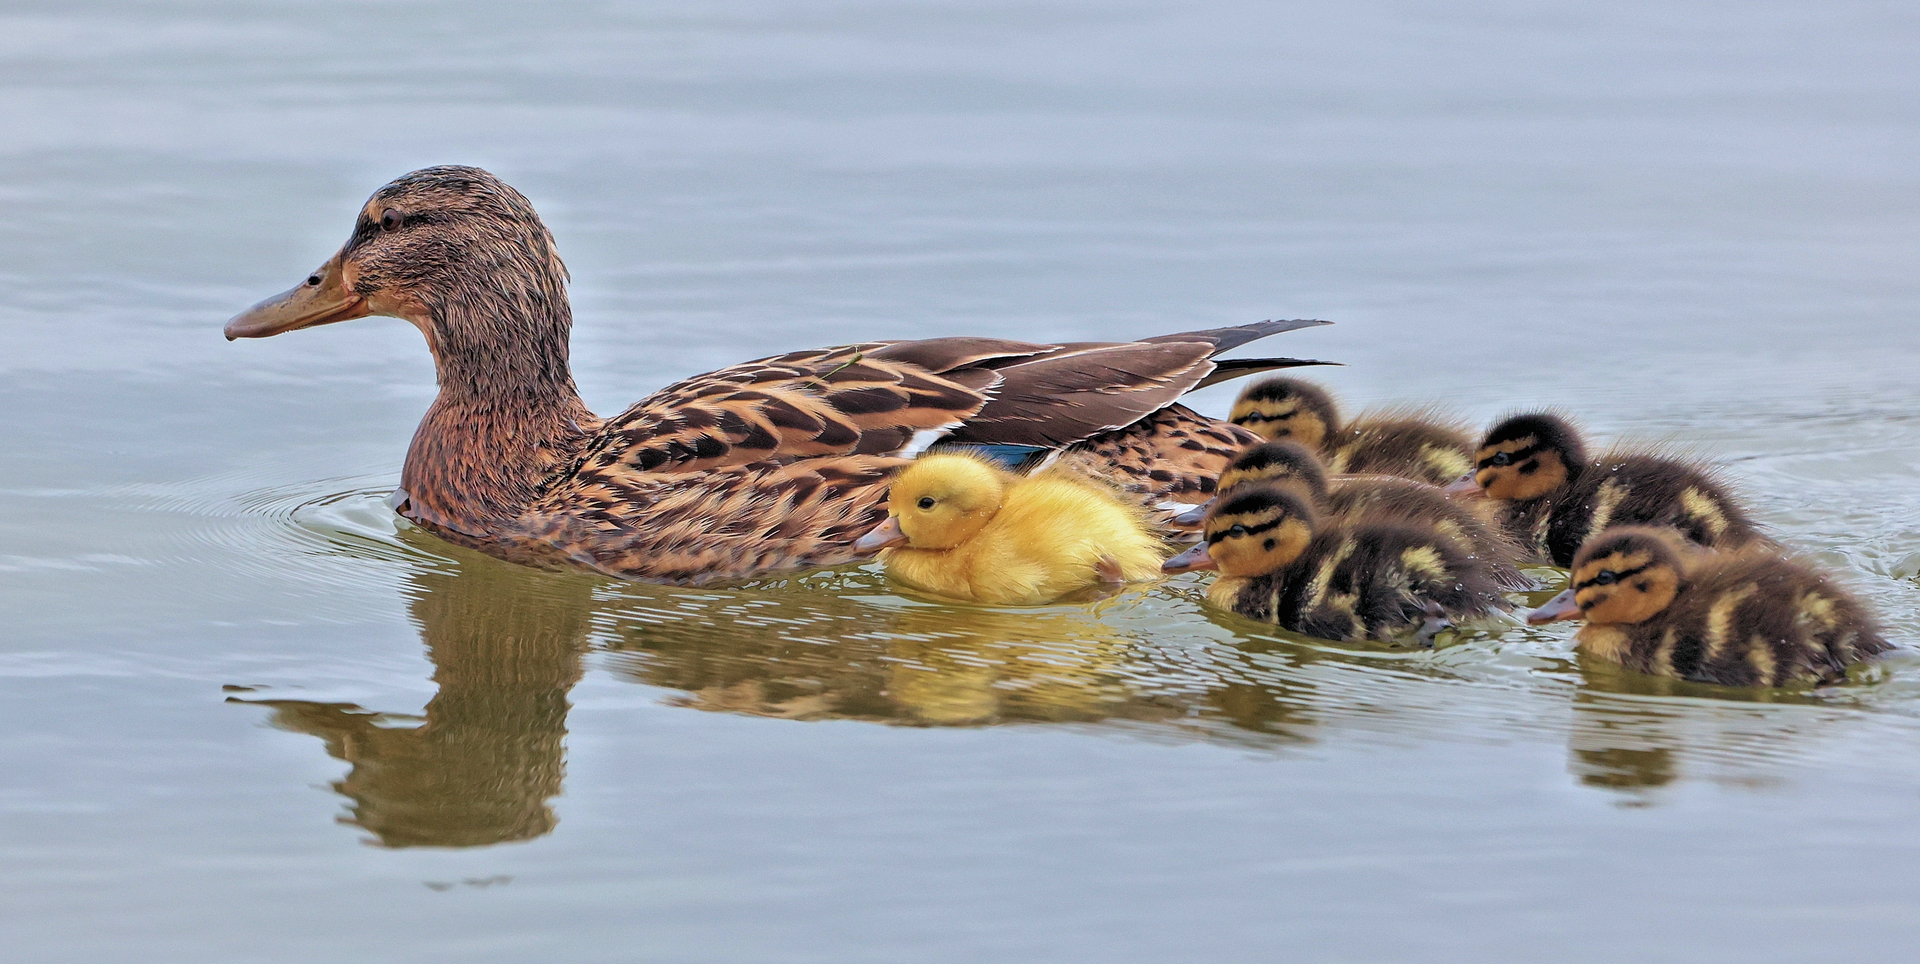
[
  {"x": 772, "y": 464},
  {"x": 1172, "y": 455}
]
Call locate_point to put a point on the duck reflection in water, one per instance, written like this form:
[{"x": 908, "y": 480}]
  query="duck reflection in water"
[
  {"x": 1634, "y": 733},
  {"x": 838, "y": 646},
  {"x": 506, "y": 645},
  {"x": 804, "y": 650}
]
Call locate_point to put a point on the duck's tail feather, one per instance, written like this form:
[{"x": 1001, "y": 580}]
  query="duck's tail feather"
[
  {"x": 1229, "y": 338},
  {"x": 1227, "y": 369}
]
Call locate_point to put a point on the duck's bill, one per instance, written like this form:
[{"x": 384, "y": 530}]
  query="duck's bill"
[
  {"x": 1193, "y": 516},
  {"x": 322, "y": 299},
  {"x": 1558, "y": 608},
  {"x": 1465, "y": 487},
  {"x": 1190, "y": 560},
  {"x": 883, "y": 535}
]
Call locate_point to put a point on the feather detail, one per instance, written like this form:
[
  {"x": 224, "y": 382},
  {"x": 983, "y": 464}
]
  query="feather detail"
[
  {"x": 1174, "y": 455},
  {"x": 784, "y": 462}
]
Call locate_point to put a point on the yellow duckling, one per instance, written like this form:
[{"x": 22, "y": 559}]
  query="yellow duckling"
[
  {"x": 1656, "y": 603},
  {"x": 961, "y": 527}
]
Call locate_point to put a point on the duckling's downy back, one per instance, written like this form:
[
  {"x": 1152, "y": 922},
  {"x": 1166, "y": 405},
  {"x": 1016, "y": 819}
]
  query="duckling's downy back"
[
  {"x": 1553, "y": 498},
  {"x": 1746, "y": 618},
  {"x": 1370, "y": 580}
]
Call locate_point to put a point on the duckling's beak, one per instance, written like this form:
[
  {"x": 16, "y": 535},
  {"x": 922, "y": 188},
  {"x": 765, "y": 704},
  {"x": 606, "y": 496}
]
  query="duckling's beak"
[
  {"x": 1190, "y": 560},
  {"x": 1558, "y": 608},
  {"x": 1192, "y": 517},
  {"x": 883, "y": 535},
  {"x": 322, "y": 299},
  {"x": 1465, "y": 487}
]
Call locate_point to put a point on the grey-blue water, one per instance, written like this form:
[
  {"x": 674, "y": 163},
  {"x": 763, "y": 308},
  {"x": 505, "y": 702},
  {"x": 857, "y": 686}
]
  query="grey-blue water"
[{"x": 247, "y": 716}]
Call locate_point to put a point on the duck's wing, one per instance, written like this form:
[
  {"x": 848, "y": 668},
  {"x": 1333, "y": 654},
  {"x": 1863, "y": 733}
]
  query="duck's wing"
[
  {"x": 867, "y": 399},
  {"x": 1078, "y": 391},
  {"x": 892, "y": 398},
  {"x": 783, "y": 462}
]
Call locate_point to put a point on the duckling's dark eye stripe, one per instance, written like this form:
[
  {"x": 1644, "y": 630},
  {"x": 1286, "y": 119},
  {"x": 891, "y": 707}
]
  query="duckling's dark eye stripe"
[
  {"x": 1517, "y": 456},
  {"x": 1621, "y": 576},
  {"x": 1247, "y": 530}
]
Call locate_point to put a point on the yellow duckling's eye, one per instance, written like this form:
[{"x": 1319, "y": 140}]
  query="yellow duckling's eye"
[
  {"x": 1500, "y": 459},
  {"x": 1237, "y": 531},
  {"x": 926, "y": 502},
  {"x": 1605, "y": 578}
]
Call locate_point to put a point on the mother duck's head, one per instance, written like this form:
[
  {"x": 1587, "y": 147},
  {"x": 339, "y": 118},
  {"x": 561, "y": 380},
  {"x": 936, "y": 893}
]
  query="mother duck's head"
[{"x": 451, "y": 249}]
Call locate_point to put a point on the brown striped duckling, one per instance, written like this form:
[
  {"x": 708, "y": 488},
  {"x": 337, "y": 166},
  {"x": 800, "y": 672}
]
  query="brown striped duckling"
[
  {"x": 1552, "y": 497},
  {"x": 1377, "y": 497},
  {"x": 1280, "y": 563},
  {"x": 1410, "y": 443},
  {"x": 1655, "y": 603}
]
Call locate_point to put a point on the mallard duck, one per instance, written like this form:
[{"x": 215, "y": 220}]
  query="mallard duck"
[
  {"x": 1655, "y": 603},
  {"x": 1416, "y": 444},
  {"x": 964, "y": 528},
  {"x": 1367, "y": 580},
  {"x": 1553, "y": 498},
  {"x": 778, "y": 463},
  {"x": 1377, "y": 498}
]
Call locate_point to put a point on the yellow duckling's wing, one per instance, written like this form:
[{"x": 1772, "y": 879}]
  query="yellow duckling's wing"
[{"x": 1057, "y": 534}]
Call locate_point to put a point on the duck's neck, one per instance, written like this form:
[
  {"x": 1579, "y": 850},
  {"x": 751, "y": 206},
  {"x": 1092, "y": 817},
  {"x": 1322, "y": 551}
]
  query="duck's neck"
[{"x": 508, "y": 414}]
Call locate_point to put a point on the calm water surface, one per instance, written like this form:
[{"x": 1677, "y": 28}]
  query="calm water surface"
[{"x": 246, "y": 715}]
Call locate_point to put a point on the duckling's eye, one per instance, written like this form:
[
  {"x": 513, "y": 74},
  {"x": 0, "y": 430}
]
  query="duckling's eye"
[
  {"x": 390, "y": 220},
  {"x": 1237, "y": 531},
  {"x": 1605, "y": 578},
  {"x": 1501, "y": 459},
  {"x": 926, "y": 502}
]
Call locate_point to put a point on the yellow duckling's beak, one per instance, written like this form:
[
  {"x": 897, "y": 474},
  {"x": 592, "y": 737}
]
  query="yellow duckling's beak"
[
  {"x": 885, "y": 534},
  {"x": 324, "y": 298},
  {"x": 1558, "y": 608},
  {"x": 1190, "y": 560},
  {"x": 1465, "y": 487}
]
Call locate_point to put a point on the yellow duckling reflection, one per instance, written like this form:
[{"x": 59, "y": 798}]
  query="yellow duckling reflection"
[
  {"x": 960, "y": 527},
  {"x": 948, "y": 668},
  {"x": 805, "y": 655}
]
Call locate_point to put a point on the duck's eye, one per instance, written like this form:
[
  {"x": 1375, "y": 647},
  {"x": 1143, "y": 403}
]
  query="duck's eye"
[
  {"x": 313, "y": 281},
  {"x": 1237, "y": 531},
  {"x": 926, "y": 502},
  {"x": 1605, "y": 578},
  {"x": 1501, "y": 459},
  {"x": 390, "y": 220}
]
